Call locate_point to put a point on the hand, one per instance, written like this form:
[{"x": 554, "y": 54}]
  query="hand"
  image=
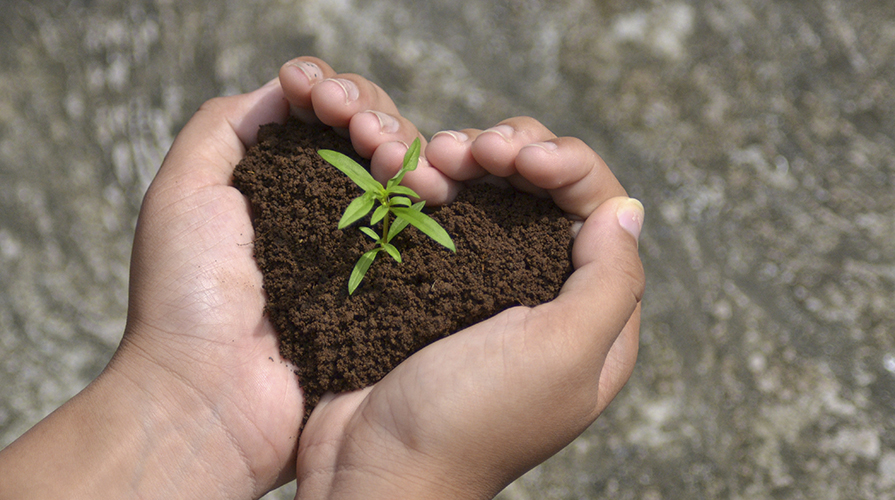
[
  {"x": 197, "y": 403},
  {"x": 470, "y": 413}
]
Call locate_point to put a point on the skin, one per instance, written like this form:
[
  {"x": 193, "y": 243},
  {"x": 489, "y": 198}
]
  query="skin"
[{"x": 196, "y": 402}]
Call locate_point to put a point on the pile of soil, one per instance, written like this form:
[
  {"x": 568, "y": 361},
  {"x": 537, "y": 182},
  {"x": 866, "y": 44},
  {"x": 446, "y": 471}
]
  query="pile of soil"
[{"x": 512, "y": 249}]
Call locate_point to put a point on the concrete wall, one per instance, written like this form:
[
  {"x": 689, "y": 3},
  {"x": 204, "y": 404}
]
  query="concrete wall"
[{"x": 760, "y": 136}]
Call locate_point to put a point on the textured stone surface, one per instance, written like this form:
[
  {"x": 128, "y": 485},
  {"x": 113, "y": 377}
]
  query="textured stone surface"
[{"x": 758, "y": 134}]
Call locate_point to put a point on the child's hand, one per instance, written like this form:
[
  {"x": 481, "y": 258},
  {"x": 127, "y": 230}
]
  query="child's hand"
[
  {"x": 468, "y": 414},
  {"x": 316, "y": 93},
  {"x": 197, "y": 403},
  {"x": 531, "y": 158},
  {"x": 521, "y": 150}
]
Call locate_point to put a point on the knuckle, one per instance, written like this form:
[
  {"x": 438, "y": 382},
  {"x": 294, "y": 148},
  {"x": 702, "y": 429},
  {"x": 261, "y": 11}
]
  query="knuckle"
[
  {"x": 629, "y": 270},
  {"x": 213, "y": 106}
]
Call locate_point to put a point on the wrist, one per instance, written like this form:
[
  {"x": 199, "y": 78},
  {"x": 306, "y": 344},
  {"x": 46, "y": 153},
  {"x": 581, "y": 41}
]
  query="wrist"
[
  {"x": 388, "y": 481},
  {"x": 127, "y": 435},
  {"x": 342, "y": 468}
]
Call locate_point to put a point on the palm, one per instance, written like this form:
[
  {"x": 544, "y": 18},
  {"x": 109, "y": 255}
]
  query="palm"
[
  {"x": 467, "y": 396},
  {"x": 207, "y": 315},
  {"x": 440, "y": 390},
  {"x": 491, "y": 401},
  {"x": 196, "y": 310}
]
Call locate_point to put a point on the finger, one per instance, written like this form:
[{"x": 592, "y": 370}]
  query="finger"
[
  {"x": 216, "y": 137},
  {"x": 317, "y": 93},
  {"x": 496, "y": 148},
  {"x": 298, "y": 77},
  {"x": 428, "y": 182},
  {"x": 336, "y": 100},
  {"x": 346, "y": 101},
  {"x": 619, "y": 364},
  {"x": 602, "y": 295},
  {"x": 450, "y": 152},
  {"x": 575, "y": 176},
  {"x": 370, "y": 129}
]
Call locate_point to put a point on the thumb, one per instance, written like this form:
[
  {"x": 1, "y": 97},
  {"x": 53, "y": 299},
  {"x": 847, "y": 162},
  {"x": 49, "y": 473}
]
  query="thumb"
[
  {"x": 608, "y": 240},
  {"x": 215, "y": 139},
  {"x": 578, "y": 350},
  {"x": 601, "y": 299}
]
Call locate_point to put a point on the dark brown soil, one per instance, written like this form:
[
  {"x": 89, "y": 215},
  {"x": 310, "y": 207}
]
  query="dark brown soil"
[{"x": 512, "y": 249}]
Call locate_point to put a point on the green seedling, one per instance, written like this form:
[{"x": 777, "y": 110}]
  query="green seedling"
[{"x": 391, "y": 200}]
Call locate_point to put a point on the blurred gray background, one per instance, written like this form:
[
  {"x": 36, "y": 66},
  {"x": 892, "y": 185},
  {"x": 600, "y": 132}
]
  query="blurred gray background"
[{"x": 760, "y": 136}]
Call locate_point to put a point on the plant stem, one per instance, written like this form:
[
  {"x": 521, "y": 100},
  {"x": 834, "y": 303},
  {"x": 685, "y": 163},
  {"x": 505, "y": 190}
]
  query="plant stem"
[{"x": 385, "y": 224}]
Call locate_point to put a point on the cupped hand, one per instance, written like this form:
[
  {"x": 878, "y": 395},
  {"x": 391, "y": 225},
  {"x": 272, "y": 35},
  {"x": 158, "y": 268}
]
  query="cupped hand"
[
  {"x": 470, "y": 413},
  {"x": 196, "y": 338},
  {"x": 197, "y": 403},
  {"x": 195, "y": 318}
]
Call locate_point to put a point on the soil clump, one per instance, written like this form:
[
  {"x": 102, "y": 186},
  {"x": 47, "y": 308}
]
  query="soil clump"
[{"x": 512, "y": 249}]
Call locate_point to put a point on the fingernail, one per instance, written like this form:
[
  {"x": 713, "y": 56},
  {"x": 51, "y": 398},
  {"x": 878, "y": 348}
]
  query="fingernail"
[
  {"x": 350, "y": 89},
  {"x": 387, "y": 123},
  {"x": 311, "y": 70},
  {"x": 504, "y": 131},
  {"x": 550, "y": 147},
  {"x": 630, "y": 216},
  {"x": 458, "y": 136}
]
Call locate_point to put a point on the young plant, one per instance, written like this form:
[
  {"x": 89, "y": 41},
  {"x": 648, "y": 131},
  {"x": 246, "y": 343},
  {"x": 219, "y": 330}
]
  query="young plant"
[{"x": 391, "y": 200}]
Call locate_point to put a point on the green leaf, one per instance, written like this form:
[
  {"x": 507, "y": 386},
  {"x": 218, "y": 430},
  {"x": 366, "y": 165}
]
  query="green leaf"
[
  {"x": 378, "y": 214},
  {"x": 401, "y": 201},
  {"x": 358, "y": 208},
  {"x": 404, "y": 190},
  {"x": 369, "y": 232},
  {"x": 392, "y": 183},
  {"x": 411, "y": 161},
  {"x": 353, "y": 170},
  {"x": 427, "y": 225},
  {"x": 399, "y": 224},
  {"x": 412, "y": 156},
  {"x": 393, "y": 251},
  {"x": 361, "y": 268}
]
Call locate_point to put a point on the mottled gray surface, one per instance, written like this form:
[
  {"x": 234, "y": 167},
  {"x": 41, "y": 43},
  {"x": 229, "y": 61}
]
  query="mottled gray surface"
[{"x": 759, "y": 135}]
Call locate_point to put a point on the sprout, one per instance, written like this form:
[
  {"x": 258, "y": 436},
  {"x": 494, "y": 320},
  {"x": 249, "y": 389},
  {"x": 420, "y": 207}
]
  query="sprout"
[{"x": 389, "y": 200}]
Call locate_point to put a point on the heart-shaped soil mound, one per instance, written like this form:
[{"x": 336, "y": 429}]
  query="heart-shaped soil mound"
[{"x": 512, "y": 249}]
